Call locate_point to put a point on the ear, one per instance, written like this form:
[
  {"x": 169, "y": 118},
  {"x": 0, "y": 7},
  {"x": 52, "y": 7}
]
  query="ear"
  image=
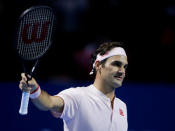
[{"x": 97, "y": 65}]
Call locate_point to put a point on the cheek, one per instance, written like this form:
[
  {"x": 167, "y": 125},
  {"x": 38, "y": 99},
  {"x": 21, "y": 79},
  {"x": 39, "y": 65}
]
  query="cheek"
[
  {"x": 108, "y": 71},
  {"x": 111, "y": 69}
]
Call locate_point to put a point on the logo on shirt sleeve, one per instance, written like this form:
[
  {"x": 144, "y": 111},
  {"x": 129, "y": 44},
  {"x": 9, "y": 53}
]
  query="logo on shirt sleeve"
[{"x": 121, "y": 112}]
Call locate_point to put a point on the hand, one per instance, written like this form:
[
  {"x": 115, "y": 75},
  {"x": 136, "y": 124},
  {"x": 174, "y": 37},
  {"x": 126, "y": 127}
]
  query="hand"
[{"x": 29, "y": 86}]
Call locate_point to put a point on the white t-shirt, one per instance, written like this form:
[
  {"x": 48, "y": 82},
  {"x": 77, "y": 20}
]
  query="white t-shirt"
[{"x": 88, "y": 109}]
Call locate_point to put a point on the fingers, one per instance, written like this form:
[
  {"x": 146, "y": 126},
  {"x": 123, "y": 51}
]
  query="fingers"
[
  {"x": 24, "y": 86},
  {"x": 27, "y": 85},
  {"x": 23, "y": 76}
]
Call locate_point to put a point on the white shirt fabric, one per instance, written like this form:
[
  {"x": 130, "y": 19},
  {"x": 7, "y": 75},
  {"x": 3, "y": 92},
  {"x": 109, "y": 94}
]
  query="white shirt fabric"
[{"x": 88, "y": 109}]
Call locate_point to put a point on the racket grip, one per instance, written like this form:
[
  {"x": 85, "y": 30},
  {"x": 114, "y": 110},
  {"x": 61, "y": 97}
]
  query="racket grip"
[{"x": 24, "y": 103}]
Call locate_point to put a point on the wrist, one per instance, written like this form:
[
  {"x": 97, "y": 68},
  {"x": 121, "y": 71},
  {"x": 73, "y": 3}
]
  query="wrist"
[
  {"x": 35, "y": 88},
  {"x": 36, "y": 93}
]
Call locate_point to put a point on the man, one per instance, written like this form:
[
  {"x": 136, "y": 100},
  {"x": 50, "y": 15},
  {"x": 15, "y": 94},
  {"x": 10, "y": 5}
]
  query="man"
[{"x": 92, "y": 108}]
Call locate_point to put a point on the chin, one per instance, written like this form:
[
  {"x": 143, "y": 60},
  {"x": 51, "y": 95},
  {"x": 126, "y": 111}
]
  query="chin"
[{"x": 118, "y": 84}]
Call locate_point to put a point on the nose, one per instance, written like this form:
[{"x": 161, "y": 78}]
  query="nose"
[{"x": 121, "y": 71}]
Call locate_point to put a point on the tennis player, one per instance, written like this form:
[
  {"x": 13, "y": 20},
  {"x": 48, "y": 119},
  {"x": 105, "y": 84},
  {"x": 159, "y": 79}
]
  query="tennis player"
[{"x": 91, "y": 108}]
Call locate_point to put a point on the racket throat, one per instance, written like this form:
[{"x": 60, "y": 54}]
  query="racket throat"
[
  {"x": 33, "y": 69},
  {"x": 30, "y": 67}
]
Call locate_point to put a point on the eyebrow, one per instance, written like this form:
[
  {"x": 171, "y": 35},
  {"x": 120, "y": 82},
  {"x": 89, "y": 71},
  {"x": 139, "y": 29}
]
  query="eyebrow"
[{"x": 119, "y": 62}]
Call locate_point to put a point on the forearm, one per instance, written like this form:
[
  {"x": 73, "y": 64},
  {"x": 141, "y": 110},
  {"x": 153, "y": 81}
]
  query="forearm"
[
  {"x": 43, "y": 102},
  {"x": 47, "y": 102}
]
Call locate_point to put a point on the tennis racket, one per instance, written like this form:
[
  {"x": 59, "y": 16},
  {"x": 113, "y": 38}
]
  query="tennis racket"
[{"x": 34, "y": 37}]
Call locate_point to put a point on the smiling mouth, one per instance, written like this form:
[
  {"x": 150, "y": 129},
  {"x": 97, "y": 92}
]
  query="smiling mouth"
[{"x": 118, "y": 78}]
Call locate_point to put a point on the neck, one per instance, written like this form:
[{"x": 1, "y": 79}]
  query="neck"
[{"x": 105, "y": 88}]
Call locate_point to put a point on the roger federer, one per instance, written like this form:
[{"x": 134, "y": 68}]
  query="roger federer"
[{"x": 91, "y": 108}]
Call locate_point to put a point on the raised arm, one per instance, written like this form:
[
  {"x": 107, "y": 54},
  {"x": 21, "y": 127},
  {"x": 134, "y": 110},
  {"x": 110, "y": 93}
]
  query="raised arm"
[{"x": 43, "y": 101}]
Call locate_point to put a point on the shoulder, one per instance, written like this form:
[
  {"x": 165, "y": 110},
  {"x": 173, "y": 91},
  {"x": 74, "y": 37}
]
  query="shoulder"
[{"x": 75, "y": 90}]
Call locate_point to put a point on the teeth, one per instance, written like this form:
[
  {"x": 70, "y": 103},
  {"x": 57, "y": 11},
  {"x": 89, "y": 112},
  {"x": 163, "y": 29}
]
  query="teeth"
[{"x": 118, "y": 77}]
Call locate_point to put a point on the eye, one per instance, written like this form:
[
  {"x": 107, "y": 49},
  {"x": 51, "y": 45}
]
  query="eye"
[
  {"x": 116, "y": 63},
  {"x": 126, "y": 66}
]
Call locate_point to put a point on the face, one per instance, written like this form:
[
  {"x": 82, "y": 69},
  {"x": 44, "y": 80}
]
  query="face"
[{"x": 113, "y": 71}]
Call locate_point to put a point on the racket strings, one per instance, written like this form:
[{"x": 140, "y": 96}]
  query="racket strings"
[{"x": 35, "y": 32}]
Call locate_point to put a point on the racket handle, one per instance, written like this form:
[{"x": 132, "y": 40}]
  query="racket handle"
[{"x": 24, "y": 103}]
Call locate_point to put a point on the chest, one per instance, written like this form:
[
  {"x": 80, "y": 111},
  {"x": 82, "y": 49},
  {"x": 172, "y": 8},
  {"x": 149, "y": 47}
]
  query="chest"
[{"x": 98, "y": 114}]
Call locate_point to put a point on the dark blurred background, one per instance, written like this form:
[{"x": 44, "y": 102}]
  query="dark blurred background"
[{"x": 148, "y": 30}]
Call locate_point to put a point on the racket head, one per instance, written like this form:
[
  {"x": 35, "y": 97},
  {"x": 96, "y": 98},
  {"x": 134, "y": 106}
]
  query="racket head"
[{"x": 35, "y": 30}]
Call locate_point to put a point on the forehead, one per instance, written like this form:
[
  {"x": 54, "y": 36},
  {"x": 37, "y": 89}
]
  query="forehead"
[{"x": 121, "y": 58}]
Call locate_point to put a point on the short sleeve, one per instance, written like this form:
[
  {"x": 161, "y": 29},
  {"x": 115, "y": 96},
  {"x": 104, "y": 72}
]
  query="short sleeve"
[{"x": 71, "y": 102}]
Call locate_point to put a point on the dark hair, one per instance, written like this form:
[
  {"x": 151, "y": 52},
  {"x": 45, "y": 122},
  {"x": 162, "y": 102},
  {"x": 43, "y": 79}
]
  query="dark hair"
[{"x": 102, "y": 49}]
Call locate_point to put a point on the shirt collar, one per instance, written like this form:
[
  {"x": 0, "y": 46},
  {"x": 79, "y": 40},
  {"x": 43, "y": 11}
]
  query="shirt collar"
[{"x": 99, "y": 93}]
